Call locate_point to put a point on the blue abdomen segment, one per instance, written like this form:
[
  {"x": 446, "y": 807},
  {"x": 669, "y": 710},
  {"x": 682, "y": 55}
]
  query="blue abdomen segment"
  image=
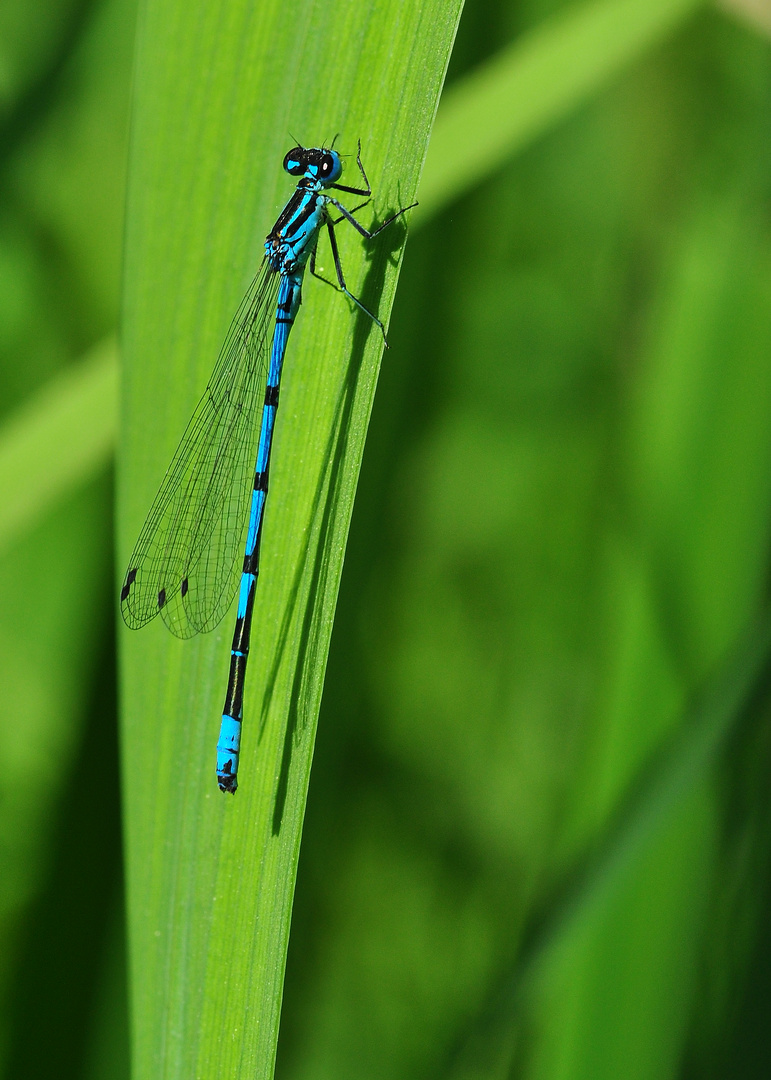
[
  {"x": 229, "y": 742},
  {"x": 228, "y": 746}
]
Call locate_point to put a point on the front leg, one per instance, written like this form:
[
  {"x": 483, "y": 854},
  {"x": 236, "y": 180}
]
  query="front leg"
[
  {"x": 352, "y": 190},
  {"x": 355, "y": 210},
  {"x": 341, "y": 279},
  {"x": 366, "y": 233}
]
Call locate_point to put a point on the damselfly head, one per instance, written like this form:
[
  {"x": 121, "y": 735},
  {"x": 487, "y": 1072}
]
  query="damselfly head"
[{"x": 314, "y": 163}]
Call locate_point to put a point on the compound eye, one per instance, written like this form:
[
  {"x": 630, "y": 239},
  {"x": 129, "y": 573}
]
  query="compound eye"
[
  {"x": 294, "y": 162},
  {"x": 327, "y": 165}
]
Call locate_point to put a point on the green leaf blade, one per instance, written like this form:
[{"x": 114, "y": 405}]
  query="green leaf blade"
[
  {"x": 211, "y": 878},
  {"x": 58, "y": 440}
]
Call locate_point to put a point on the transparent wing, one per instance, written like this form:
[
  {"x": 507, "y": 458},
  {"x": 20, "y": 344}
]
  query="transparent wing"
[{"x": 186, "y": 561}]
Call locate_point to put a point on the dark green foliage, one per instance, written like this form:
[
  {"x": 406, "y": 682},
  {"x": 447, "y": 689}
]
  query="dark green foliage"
[{"x": 63, "y": 126}]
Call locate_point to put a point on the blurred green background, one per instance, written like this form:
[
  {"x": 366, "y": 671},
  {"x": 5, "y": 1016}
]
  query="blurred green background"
[{"x": 537, "y": 839}]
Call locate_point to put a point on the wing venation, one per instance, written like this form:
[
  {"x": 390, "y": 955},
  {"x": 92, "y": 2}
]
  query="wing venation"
[{"x": 186, "y": 564}]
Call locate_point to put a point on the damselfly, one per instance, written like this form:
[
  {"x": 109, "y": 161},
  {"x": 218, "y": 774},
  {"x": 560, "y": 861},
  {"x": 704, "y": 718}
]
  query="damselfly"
[{"x": 184, "y": 565}]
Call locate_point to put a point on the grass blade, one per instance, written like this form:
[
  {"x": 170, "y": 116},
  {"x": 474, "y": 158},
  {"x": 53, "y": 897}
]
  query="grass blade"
[
  {"x": 218, "y": 89},
  {"x": 58, "y": 440}
]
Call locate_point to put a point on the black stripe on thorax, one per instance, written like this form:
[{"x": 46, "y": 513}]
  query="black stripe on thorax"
[
  {"x": 300, "y": 207},
  {"x": 287, "y": 214}
]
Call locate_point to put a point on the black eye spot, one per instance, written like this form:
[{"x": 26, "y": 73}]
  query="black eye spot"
[{"x": 327, "y": 164}]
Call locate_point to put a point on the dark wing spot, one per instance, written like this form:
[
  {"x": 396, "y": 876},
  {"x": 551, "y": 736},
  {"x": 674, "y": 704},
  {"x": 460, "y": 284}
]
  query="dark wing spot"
[
  {"x": 130, "y": 579},
  {"x": 184, "y": 587},
  {"x": 161, "y": 598}
]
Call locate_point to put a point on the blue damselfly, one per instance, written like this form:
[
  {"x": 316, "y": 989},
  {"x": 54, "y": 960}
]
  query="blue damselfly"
[{"x": 184, "y": 565}]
